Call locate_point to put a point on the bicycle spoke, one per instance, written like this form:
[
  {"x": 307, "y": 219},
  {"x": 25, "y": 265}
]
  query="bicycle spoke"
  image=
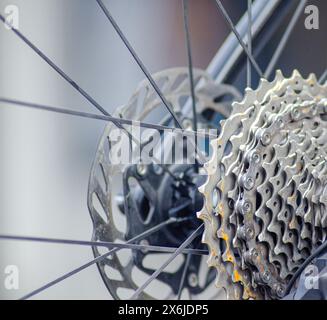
[
  {"x": 55, "y": 67},
  {"x": 237, "y": 35},
  {"x": 138, "y": 61},
  {"x": 249, "y": 38},
  {"x": 104, "y": 118},
  {"x": 64, "y": 75},
  {"x": 171, "y": 258},
  {"x": 181, "y": 284},
  {"x": 189, "y": 58},
  {"x": 99, "y": 258},
  {"x": 283, "y": 41},
  {"x": 190, "y": 69},
  {"x": 323, "y": 77},
  {"x": 85, "y": 94},
  {"x": 102, "y": 244}
]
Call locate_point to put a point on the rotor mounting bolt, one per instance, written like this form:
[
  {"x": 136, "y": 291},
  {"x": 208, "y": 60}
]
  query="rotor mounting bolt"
[
  {"x": 193, "y": 280},
  {"x": 141, "y": 169},
  {"x": 266, "y": 138}
]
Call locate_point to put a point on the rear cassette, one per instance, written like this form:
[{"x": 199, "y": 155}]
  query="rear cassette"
[{"x": 265, "y": 195}]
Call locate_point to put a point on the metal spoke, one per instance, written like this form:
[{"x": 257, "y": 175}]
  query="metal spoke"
[
  {"x": 171, "y": 258},
  {"x": 65, "y": 76},
  {"x": 249, "y": 35},
  {"x": 189, "y": 58},
  {"x": 230, "y": 23},
  {"x": 104, "y": 118},
  {"x": 99, "y": 258},
  {"x": 286, "y": 35},
  {"x": 55, "y": 67},
  {"x": 323, "y": 77},
  {"x": 119, "y": 122},
  {"x": 85, "y": 94},
  {"x": 181, "y": 284},
  {"x": 62, "y": 74},
  {"x": 103, "y": 244},
  {"x": 190, "y": 69},
  {"x": 139, "y": 62}
]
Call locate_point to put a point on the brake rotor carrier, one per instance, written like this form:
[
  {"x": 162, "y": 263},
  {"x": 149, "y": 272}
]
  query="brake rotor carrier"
[
  {"x": 153, "y": 197},
  {"x": 265, "y": 195}
]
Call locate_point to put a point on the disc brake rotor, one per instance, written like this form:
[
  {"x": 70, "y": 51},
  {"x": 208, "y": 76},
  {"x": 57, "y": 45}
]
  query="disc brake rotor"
[
  {"x": 125, "y": 200},
  {"x": 266, "y": 192}
]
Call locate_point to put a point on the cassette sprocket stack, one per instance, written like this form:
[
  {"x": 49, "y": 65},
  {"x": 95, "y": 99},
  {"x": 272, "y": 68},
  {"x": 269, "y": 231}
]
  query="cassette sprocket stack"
[{"x": 265, "y": 195}]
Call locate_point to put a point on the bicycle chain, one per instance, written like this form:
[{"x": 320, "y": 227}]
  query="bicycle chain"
[{"x": 266, "y": 192}]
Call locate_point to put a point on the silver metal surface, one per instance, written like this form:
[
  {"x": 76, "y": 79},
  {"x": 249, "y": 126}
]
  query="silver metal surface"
[{"x": 268, "y": 169}]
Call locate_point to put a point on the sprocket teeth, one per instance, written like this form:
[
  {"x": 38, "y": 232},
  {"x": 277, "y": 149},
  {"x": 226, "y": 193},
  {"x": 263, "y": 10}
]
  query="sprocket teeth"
[{"x": 261, "y": 162}]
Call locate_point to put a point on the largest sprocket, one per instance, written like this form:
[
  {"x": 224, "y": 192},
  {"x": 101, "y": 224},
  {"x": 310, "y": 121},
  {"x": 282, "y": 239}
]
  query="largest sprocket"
[{"x": 266, "y": 192}]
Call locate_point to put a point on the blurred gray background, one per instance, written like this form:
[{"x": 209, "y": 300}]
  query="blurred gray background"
[{"x": 45, "y": 158}]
